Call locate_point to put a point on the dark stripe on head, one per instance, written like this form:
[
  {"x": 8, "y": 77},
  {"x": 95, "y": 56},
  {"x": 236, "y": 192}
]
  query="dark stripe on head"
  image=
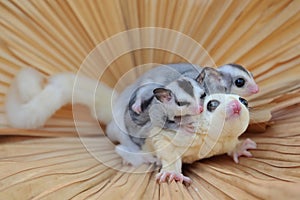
[
  {"x": 186, "y": 86},
  {"x": 240, "y": 68}
]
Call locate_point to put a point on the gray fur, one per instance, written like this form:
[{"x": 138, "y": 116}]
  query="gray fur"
[
  {"x": 156, "y": 113},
  {"x": 241, "y": 68},
  {"x": 187, "y": 87}
]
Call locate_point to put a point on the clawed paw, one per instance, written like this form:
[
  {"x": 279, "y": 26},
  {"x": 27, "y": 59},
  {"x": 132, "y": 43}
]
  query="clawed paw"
[
  {"x": 170, "y": 176},
  {"x": 242, "y": 149}
]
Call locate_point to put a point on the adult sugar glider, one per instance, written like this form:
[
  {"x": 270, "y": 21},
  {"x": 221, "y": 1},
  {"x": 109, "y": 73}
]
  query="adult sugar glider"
[{"x": 224, "y": 118}]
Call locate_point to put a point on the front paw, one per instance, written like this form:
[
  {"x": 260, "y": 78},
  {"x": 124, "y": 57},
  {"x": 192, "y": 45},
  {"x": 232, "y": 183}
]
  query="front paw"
[
  {"x": 169, "y": 176},
  {"x": 137, "y": 106},
  {"x": 187, "y": 128},
  {"x": 242, "y": 149}
]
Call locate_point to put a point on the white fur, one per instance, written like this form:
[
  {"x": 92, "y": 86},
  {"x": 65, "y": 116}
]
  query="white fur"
[
  {"x": 35, "y": 112},
  {"x": 181, "y": 95},
  {"x": 135, "y": 158},
  {"x": 161, "y": 75},
  {"x": 236, "y": 73},
  {"x": 29, "y": 105},
  {"x": 216, "y": 133},
  {"x": 29, "y": 83},
  {"x": 117, "y": 131}
]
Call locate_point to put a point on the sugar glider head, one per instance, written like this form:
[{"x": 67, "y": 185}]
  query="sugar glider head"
[
  {"x": 182, "y": 97},
  {"x": 230, "y": 78},
  {"x": 226, "y": 113},
  {"x": 242, "y": 81}
]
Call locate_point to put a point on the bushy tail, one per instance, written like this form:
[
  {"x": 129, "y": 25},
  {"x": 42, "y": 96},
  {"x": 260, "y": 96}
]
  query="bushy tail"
[{"x": 30, "y": 102}]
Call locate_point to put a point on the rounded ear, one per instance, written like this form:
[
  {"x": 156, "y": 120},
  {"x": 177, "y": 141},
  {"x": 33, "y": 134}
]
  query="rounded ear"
[
  {"x": 201, "y": 76},
  {"x": 163, "y": 95},
  {"x": 210, "y": 74}
]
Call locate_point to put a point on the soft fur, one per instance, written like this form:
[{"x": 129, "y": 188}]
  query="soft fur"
[
  {"x": 32, "y": 100},
  {"x": 216, "y": 133},
  {"x": 162, "y": 108}
]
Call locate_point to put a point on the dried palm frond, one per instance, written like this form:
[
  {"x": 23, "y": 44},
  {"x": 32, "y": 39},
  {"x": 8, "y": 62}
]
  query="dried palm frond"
[{"x": 59, "y": 36}]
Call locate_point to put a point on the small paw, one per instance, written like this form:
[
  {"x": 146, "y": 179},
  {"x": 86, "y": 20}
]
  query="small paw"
[
  {"x": 187, "y": 128},
  {"x": 136, "y": 107},
  {"x": 242, "y": 149},
  {"x": 170, "y": 176}
]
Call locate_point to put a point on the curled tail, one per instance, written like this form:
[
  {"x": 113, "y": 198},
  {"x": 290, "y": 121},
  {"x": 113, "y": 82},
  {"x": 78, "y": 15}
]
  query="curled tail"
[
  {"x": 28, "y": 83},
  {"x": 30, "y": 102}
]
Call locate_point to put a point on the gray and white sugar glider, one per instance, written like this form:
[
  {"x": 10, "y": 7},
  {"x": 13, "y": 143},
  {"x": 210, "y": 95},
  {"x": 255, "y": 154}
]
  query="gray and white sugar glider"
[{"x": 181, "y": 97}]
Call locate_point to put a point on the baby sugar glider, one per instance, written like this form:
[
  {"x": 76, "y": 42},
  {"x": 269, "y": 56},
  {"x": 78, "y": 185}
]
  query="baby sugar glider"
[
  {"x": 224, "y": 118},
  {"x": 181, "y": 97}
]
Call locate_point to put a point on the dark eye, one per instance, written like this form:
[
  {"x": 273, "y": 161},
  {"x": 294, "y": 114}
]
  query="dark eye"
[
  {"x": 203, "y": 95},
  {"x": 240, "y": 82},
  {"x": 244, "y": 101},
  {"x": 183, "y": 103},
  {"x": 212, "y": 105}
]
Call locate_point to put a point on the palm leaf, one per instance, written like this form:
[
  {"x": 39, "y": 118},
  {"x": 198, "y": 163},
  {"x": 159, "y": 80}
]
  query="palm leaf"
[{"x": 58, "y": 36}]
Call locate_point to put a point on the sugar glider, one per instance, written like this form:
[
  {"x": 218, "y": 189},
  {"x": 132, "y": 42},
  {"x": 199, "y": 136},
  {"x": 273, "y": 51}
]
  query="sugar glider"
[
  {"x": 224, "y": 118},
  {"x": 181, "y": 97},
  {"x": 32, "y": 99}
]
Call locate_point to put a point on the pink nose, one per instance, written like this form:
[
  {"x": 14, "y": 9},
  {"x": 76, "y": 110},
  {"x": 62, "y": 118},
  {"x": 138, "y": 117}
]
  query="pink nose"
[
  {"x": 254, "y": 89},
  {"x": 200, "y": 110},
  {"x": 235, "y": 106}
]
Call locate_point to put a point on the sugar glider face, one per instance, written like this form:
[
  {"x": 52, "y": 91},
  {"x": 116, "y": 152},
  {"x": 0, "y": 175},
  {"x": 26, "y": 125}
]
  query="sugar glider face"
[
  {"x": 184, "y": 96},
  {"x": 213, "y": 104},
  {"x": 227, "y": 112},
  {"x": 243, "y": 83}
]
